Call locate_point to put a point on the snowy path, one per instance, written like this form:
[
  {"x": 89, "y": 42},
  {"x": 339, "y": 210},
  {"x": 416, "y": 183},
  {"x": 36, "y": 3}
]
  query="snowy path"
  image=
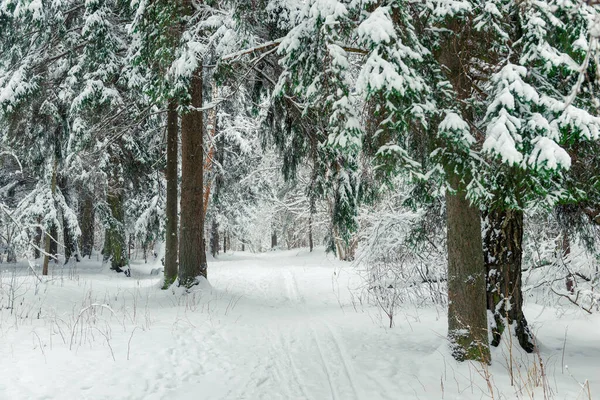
[{"x": 280, "y": 325}]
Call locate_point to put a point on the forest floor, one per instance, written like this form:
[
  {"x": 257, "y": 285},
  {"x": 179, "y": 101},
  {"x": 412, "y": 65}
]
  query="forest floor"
[{"x": 280, "y": 325}]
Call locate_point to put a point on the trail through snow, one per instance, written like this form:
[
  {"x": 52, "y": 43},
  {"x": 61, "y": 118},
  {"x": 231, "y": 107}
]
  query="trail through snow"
[{"x": 281, "y": 325}]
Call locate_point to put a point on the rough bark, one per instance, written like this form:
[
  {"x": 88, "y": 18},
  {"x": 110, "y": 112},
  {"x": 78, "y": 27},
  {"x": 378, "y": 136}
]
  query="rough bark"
[
  {"x": 467, "y": 316},
  {"x": 171, "y": 240},
  {"x": 87, "y": 217},
  {"x": 192, "y": 256},
  {"x": 503, "y": 245}
]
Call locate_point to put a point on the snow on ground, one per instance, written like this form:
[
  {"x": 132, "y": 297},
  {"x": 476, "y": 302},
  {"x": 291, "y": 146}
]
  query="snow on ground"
[{"x": 281, "y": 325}]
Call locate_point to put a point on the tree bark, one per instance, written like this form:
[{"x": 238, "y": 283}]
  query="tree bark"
[
  {"x": 467, "y": 316},
  {"x": 503, "y": 251},
  {"x": 192, "y": 256},
  {"x": 171, "y": 240},
  {"x": 467, "y": 313},
  {"x": 87, "y": 222}
]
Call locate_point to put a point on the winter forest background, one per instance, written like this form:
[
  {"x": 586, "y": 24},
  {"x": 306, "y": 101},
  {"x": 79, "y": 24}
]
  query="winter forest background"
[{"x": 440, "y": 157}]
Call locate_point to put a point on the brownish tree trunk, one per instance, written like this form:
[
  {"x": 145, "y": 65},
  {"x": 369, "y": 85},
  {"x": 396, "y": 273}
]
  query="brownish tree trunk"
[
  {"x": 467, "y": 316},
  {"x": 171, "y": 242},
  {"x": 192, "y": 257},
  {"x": 503, "y": 249},
  {"x": 467, "y": 313}
]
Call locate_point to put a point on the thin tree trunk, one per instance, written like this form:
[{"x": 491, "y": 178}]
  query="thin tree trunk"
[
  {"x": 566, "y": 252},
  {"x": 503, "y": 251},
  {"x": 69, "y": 239},
  {"x": 274, "y": 240},
  {"x": 54, "y": 242},
  {"x": 192, "y": 256},
  {"x": 38, "y": 243},
  {"x": 171, "y": 241},
  {"x": 313, "y": 187},
  {"x": 310, "y": 233},
  {"x": 49, "y": 240},
  {"x": 214, "y": 239},
  {"x": 467, "y": 316},
  {"x": 116, "y": 234},
  {"x": 87, "y": 222}
]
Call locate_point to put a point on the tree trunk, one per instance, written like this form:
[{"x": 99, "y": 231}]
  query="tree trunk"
[
  {"x": 214, "y": 238},
  {"x": 310, "y": 232},
  {"x": 312, "y": 196},
  {"x": 115, "y": 246},
  {"x": 192, "y": 256},
  {"x": 503, "y": 246},
  {"x": 274, "y": 240},
  {"x": 467, "y": 313},
  {"x": 69, "y": 239},
  {"x": 54, "y": 243},
  {"x": 566, "y": 252},
  {"x": 171, "y": 240},
  {"x": 467, "y": 316},
  {"x": 87, "y": 222},
  {"x": 38, "y": 243},
  {"x": 50, "y": 238},
  {"x": 11, "y": 255}
]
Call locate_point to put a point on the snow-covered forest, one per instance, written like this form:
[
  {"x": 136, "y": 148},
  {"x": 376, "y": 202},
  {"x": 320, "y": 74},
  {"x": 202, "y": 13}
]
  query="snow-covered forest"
[{"x": 299, "y": 199}]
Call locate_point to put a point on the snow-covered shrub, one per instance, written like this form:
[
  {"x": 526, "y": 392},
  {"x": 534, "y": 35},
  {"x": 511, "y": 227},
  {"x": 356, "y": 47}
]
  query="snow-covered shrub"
[
  {"x": 561, "y": 262},
  {"x": 402, "y": 256}
]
